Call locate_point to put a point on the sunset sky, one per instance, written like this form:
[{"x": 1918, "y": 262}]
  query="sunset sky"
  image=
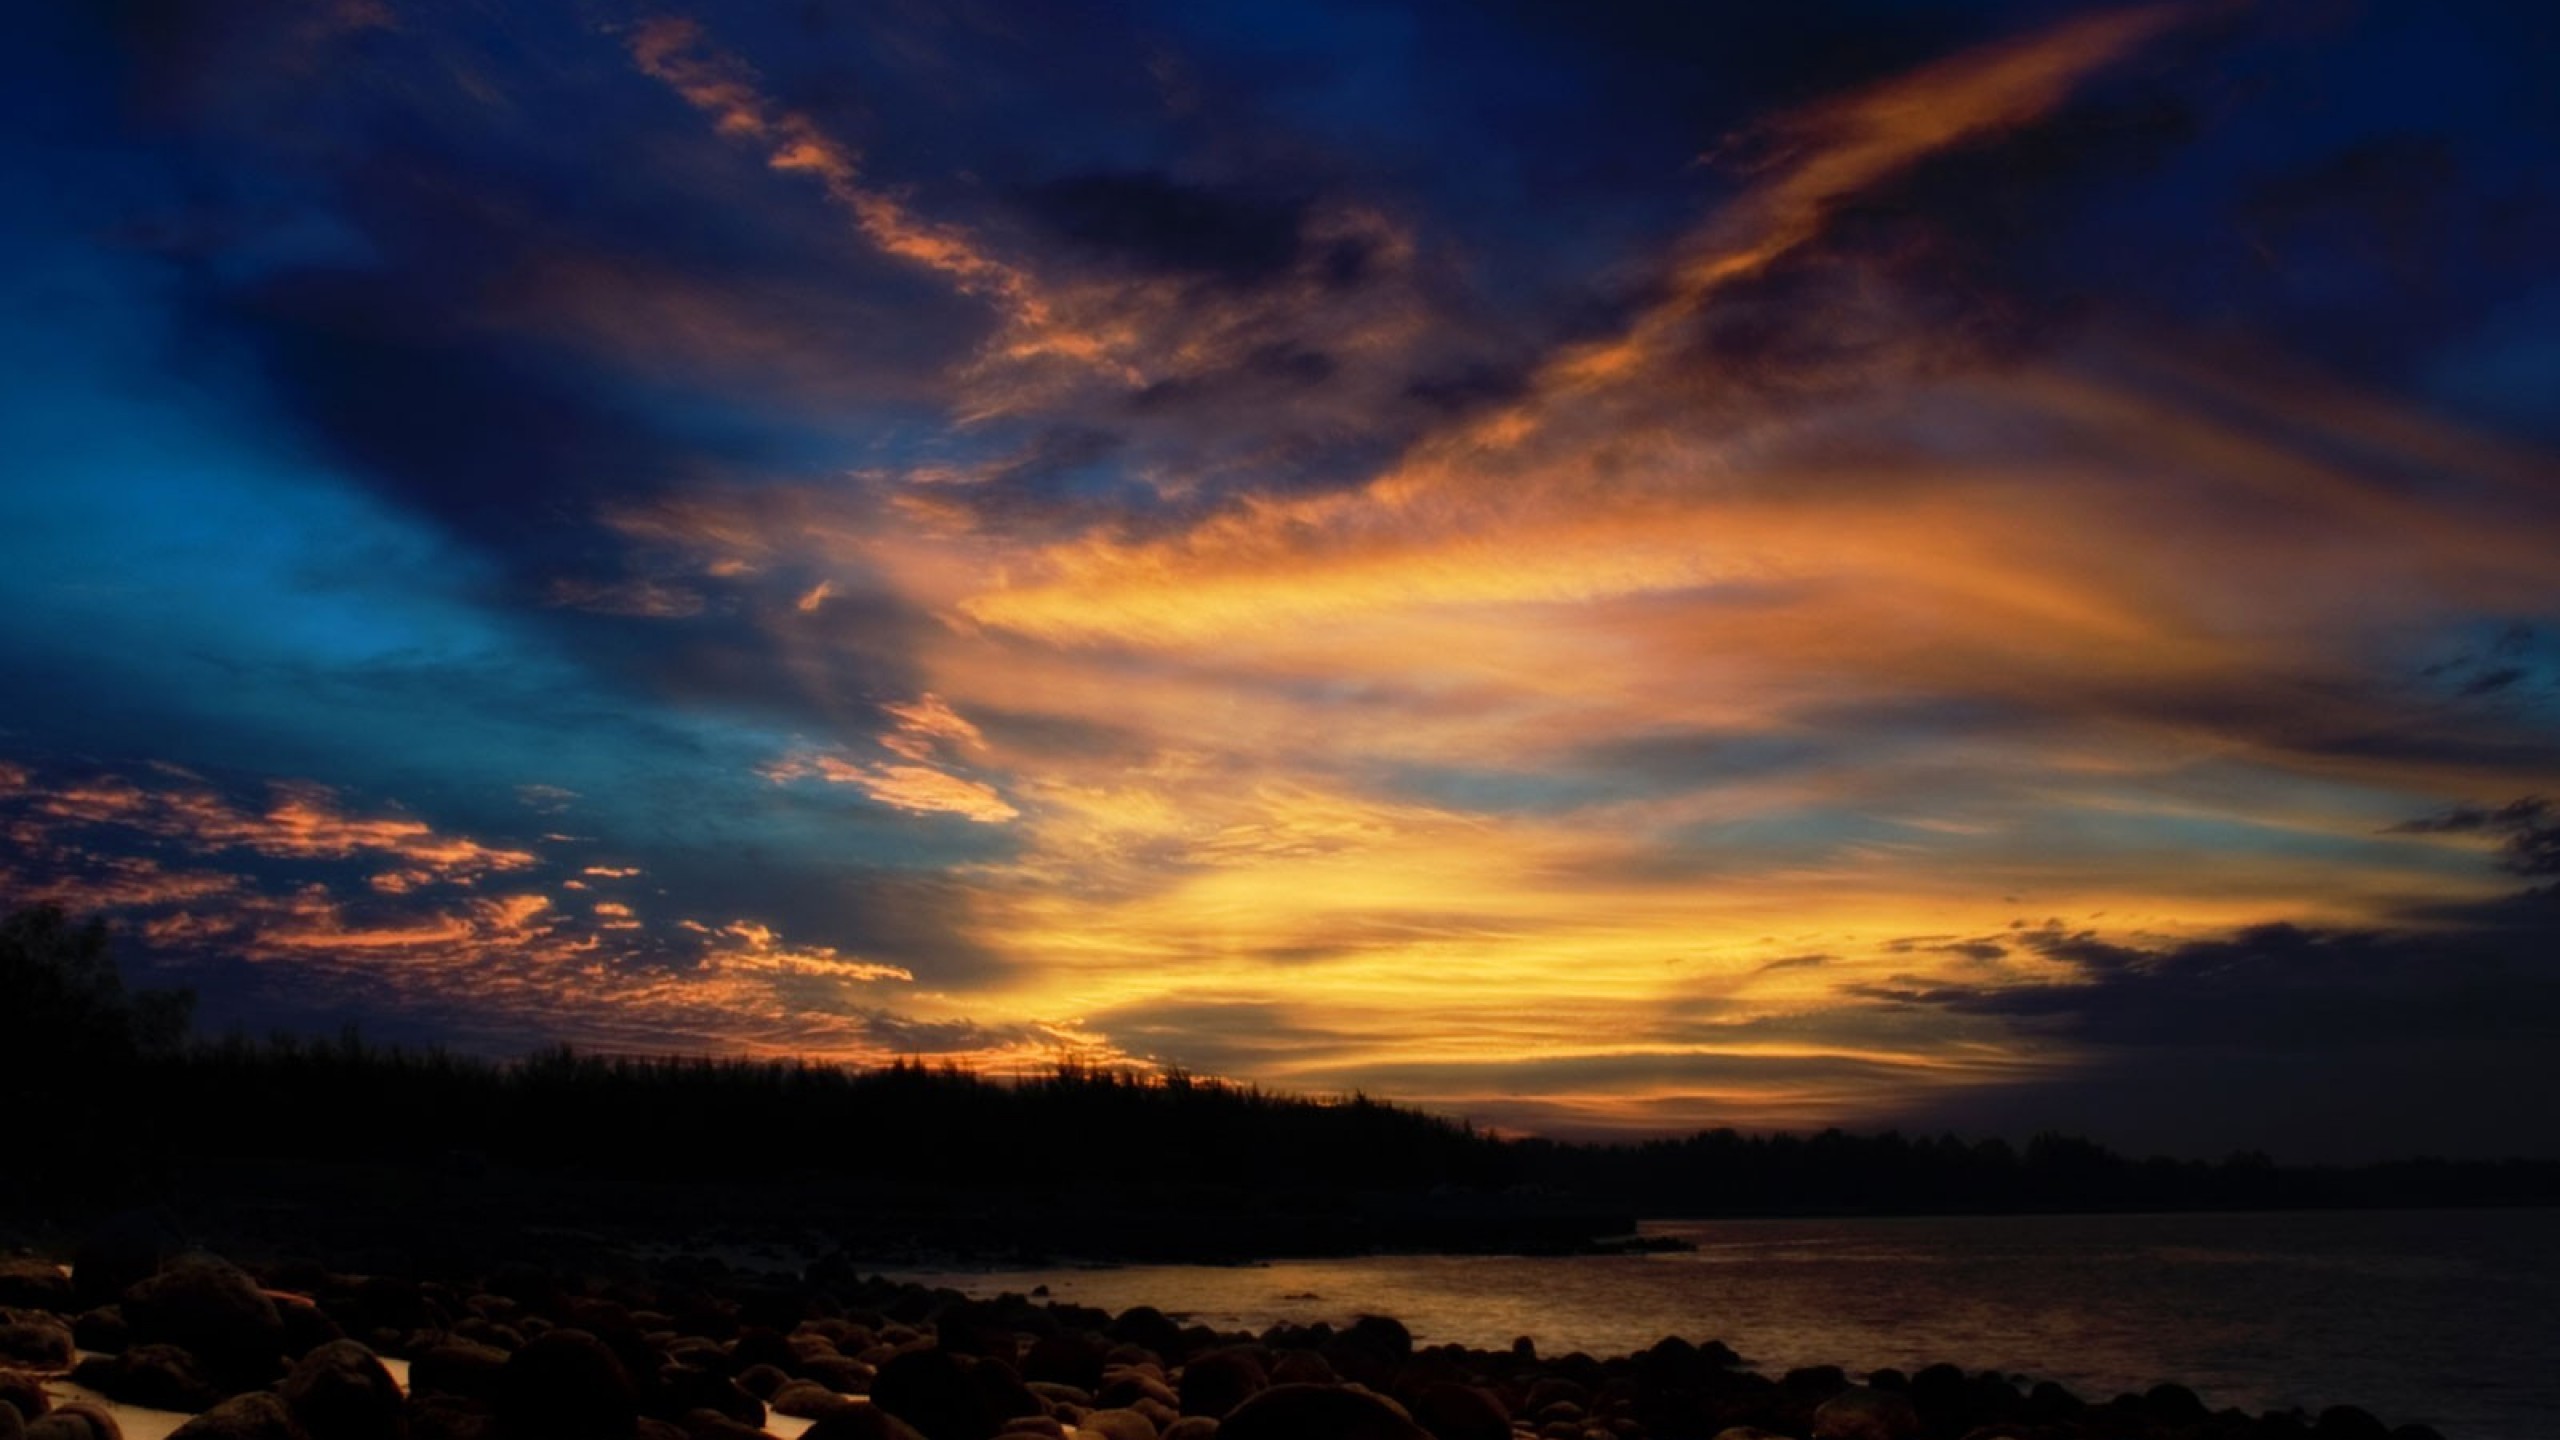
[{"x": 1607, "y": 568}]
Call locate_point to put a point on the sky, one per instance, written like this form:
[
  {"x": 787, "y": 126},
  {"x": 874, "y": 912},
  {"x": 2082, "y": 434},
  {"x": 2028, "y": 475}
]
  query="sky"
[{"x": 1607, "y": 569}]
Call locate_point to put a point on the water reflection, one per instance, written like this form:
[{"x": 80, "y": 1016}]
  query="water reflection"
[{"x": 2440, "y": 1317}]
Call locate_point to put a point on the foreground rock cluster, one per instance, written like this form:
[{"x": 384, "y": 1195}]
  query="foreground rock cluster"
[{"x": 691, "y": 1351}]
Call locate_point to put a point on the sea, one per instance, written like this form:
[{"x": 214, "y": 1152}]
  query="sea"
[{"x": 2449, "y": 1318}]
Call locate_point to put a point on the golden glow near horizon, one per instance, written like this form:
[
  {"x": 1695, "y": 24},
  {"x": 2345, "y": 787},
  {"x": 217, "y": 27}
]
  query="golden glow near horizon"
[{"x": 1623, "y": 557}]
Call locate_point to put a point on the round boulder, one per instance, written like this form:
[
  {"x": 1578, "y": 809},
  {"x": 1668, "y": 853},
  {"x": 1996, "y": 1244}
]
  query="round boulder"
[
  {"x": 258, "y": 1415},
  {"x": 34, "y": 1338},
  {"x": 566, "y": 1385},
  {"x": 1118, "y": 1425},
  {"x": 1318, "y": 1412},
  {"x": 31, "y": 1284},
  {"x": 101, "y": 1329},
  {"x": 1461, "y": 1412},
  {"x": 341, "y": 1392},
  {"x": 1147, "y": 1326},
  {"x": 1864, "y": 1414},
  {"x": 463, "y": 1368},
  {"x": 1071, "y": 1357},
  {"x": 211, "y": 1308},
  {"x": 1219, "y": 1381},
  {"x": 952, "y": 1397}
]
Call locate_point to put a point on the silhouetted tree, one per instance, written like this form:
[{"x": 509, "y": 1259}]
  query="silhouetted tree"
[{"x": 71, "y": 1039}]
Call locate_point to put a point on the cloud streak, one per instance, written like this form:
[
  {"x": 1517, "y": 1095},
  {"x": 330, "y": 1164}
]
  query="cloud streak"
[{"x": 1342, "y": 563}]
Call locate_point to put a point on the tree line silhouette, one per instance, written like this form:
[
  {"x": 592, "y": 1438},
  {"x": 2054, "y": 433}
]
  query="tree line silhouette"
[{"x": 1076, "y": 1159}]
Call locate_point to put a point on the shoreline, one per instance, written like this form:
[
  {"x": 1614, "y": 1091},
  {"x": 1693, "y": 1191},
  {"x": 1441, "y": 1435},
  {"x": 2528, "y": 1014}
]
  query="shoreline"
[{"x": 836, "y": 1353}]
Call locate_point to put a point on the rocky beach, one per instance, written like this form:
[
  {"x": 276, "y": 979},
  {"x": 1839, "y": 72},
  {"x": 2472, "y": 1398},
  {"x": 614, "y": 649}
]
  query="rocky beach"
[{"x": 138, "y": 1338}]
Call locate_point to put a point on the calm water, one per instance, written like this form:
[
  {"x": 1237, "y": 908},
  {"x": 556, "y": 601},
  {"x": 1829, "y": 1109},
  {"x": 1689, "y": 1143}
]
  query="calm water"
[{"x": 2447, "y": 1317}]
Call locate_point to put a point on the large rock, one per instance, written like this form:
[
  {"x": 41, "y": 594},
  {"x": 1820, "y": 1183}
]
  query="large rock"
[
  {"x": 952, "y": 1397},
  {"x": 24, "y": 1391},
  {"x": 1068, "y": 1358},
  {"x": 258, "y": 1415},
  {"x": 30, "y": 1284},
  {"x": 1301, "y": 1367},
  {"x": 35, "y": 1339},
  {"x": 1318, "y": 1412},
  {"x": 1219, "y": 1381},
  {"x": 1864, "y": 1414},
  {"x": 101, "y": 1329},
  {"x": 1147, "y": 1326},
  {"x": 1461, "y": 1412},
  {"x": 566, "y": 1385},
  {"x": 341, "y": 1392},
  {"x": 207, "y": 1306},
  {"x": 463, "y": 1368}
]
